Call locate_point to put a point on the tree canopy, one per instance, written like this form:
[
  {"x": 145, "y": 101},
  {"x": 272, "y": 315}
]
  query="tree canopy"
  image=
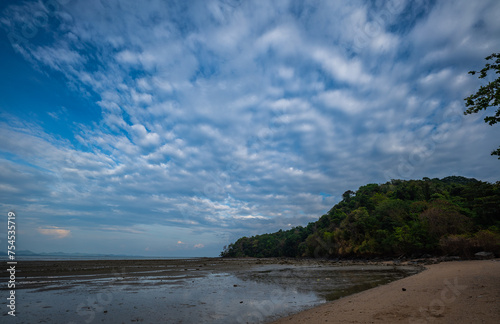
[
  {"x": 487, "y": 95},
  {"x": 453, "y": 215}
]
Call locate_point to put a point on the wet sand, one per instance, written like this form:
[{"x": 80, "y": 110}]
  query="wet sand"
[
  {"x": 32, "y": 274},
  {"x": 202, "y": 290},
  {"x": 449, "y": 292}
]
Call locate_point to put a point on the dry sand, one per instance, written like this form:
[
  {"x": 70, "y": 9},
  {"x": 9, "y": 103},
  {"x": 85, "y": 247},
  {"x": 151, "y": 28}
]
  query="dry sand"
[{"x": 449, "y": 292}]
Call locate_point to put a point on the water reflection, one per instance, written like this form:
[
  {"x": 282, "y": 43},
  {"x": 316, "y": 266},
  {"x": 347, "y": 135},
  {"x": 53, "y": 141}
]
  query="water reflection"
[
  {"x": 329, "y": 283},
  {"x": 322, "y": 284},
  {"x": 255, "y": 295}
]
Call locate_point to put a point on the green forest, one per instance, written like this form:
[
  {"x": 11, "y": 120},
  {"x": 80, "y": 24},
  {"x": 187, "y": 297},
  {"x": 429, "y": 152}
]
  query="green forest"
[{"x": 450, "y": 216}]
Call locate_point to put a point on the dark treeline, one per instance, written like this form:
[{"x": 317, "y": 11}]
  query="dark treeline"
[{"x": 454, "y": 216}]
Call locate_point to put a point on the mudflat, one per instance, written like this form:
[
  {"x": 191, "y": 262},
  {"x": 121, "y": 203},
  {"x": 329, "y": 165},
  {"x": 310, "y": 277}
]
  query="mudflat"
[
  {"x": 33, "y": 274},
  {"x": 448, "y": 292},
  {"x": 200, "y": 290}
]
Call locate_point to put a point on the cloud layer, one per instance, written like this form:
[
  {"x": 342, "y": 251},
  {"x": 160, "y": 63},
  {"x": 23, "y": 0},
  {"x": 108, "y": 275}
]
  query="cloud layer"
[{"x": 200, "y": 122}]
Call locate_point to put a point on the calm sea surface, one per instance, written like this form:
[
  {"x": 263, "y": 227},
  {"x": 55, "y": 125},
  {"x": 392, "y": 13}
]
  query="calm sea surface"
[{"x": 83, "y": 258}]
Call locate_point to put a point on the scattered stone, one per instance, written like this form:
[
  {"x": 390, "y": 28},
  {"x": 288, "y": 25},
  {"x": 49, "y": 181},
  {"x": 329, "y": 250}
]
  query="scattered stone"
[
  {"x": 450, "y": 258},
  {"x": 431, "y": 261},
  {"x": 484, "y": 255}
]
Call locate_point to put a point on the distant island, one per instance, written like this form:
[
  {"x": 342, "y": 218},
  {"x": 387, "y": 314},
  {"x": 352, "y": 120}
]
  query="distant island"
[{"x": 451, "y": 216}]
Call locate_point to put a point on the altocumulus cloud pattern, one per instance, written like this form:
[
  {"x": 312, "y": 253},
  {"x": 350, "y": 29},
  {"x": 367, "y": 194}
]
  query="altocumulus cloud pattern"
[{"x": 175, "y": 127}]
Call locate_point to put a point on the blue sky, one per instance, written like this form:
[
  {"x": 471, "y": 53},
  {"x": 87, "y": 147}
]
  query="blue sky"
[{"x": 172, "y": 128}]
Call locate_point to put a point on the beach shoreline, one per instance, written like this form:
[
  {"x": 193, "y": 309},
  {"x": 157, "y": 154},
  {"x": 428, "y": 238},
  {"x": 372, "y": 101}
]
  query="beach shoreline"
[
  {"x": 38, "y": 272},
  {"x": 209, "y": 290},
  {"x": 447, "y": 292},
  {"x": 439, "y": 292}
]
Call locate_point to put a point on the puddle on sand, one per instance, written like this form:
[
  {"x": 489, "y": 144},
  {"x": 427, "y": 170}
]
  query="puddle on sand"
[
  {"x": 251, "y": 296},
  {"x": 328, "y": 282}
]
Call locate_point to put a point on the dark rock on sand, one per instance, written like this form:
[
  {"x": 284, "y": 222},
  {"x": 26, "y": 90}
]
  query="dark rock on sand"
[{"x": 484, "y": 255}]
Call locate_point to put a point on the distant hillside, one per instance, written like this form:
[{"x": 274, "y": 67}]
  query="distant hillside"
[{"x": 454, "y": 215}]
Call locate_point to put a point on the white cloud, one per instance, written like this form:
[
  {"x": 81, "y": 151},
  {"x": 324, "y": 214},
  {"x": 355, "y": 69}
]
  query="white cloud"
[
  {"x": 350, "y": 71},
  {"x": 145, "y": 138},
  {"x": 343, "y": 101}
]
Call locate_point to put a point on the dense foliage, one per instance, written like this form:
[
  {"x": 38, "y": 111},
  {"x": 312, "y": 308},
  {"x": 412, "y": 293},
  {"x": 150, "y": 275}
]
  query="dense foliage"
[
  {"x": 454, "y": 215},
  {"x": 487, "y": 95}
]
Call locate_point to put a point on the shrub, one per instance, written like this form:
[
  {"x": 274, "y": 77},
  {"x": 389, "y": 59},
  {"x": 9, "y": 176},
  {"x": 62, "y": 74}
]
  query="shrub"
[
  {"x": 488, "y": 241},
  {"x": 457, "y": 245},
  {"x": 467, "y": 245}
]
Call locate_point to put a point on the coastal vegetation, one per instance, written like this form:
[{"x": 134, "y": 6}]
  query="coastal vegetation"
[
  {"x": 487, "y": 95},
  {"x": 449, "y": 216}
]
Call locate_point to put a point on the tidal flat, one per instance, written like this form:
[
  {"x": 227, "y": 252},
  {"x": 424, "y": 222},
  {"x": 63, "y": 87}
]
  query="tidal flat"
[{"x": 200, "y": 290}]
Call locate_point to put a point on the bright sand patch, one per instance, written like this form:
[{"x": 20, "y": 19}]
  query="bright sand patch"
[{"x": 450, "y": 292}]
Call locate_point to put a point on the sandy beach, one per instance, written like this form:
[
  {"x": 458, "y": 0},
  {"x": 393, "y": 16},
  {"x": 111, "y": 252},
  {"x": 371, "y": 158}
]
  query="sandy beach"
[
  {"x": 449, "y": 292},
  {"x": 214, "y": 290}
]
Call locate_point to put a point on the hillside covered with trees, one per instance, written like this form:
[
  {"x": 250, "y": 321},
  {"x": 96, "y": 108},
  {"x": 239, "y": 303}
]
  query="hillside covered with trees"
[{"x": 453, "y": 215}]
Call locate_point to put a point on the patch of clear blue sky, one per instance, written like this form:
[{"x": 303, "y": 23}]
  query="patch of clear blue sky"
[{"x": 42, "y": 97}]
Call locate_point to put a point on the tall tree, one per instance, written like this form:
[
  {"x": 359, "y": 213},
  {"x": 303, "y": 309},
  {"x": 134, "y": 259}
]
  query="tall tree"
[{"x": 488, "y": 95}]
